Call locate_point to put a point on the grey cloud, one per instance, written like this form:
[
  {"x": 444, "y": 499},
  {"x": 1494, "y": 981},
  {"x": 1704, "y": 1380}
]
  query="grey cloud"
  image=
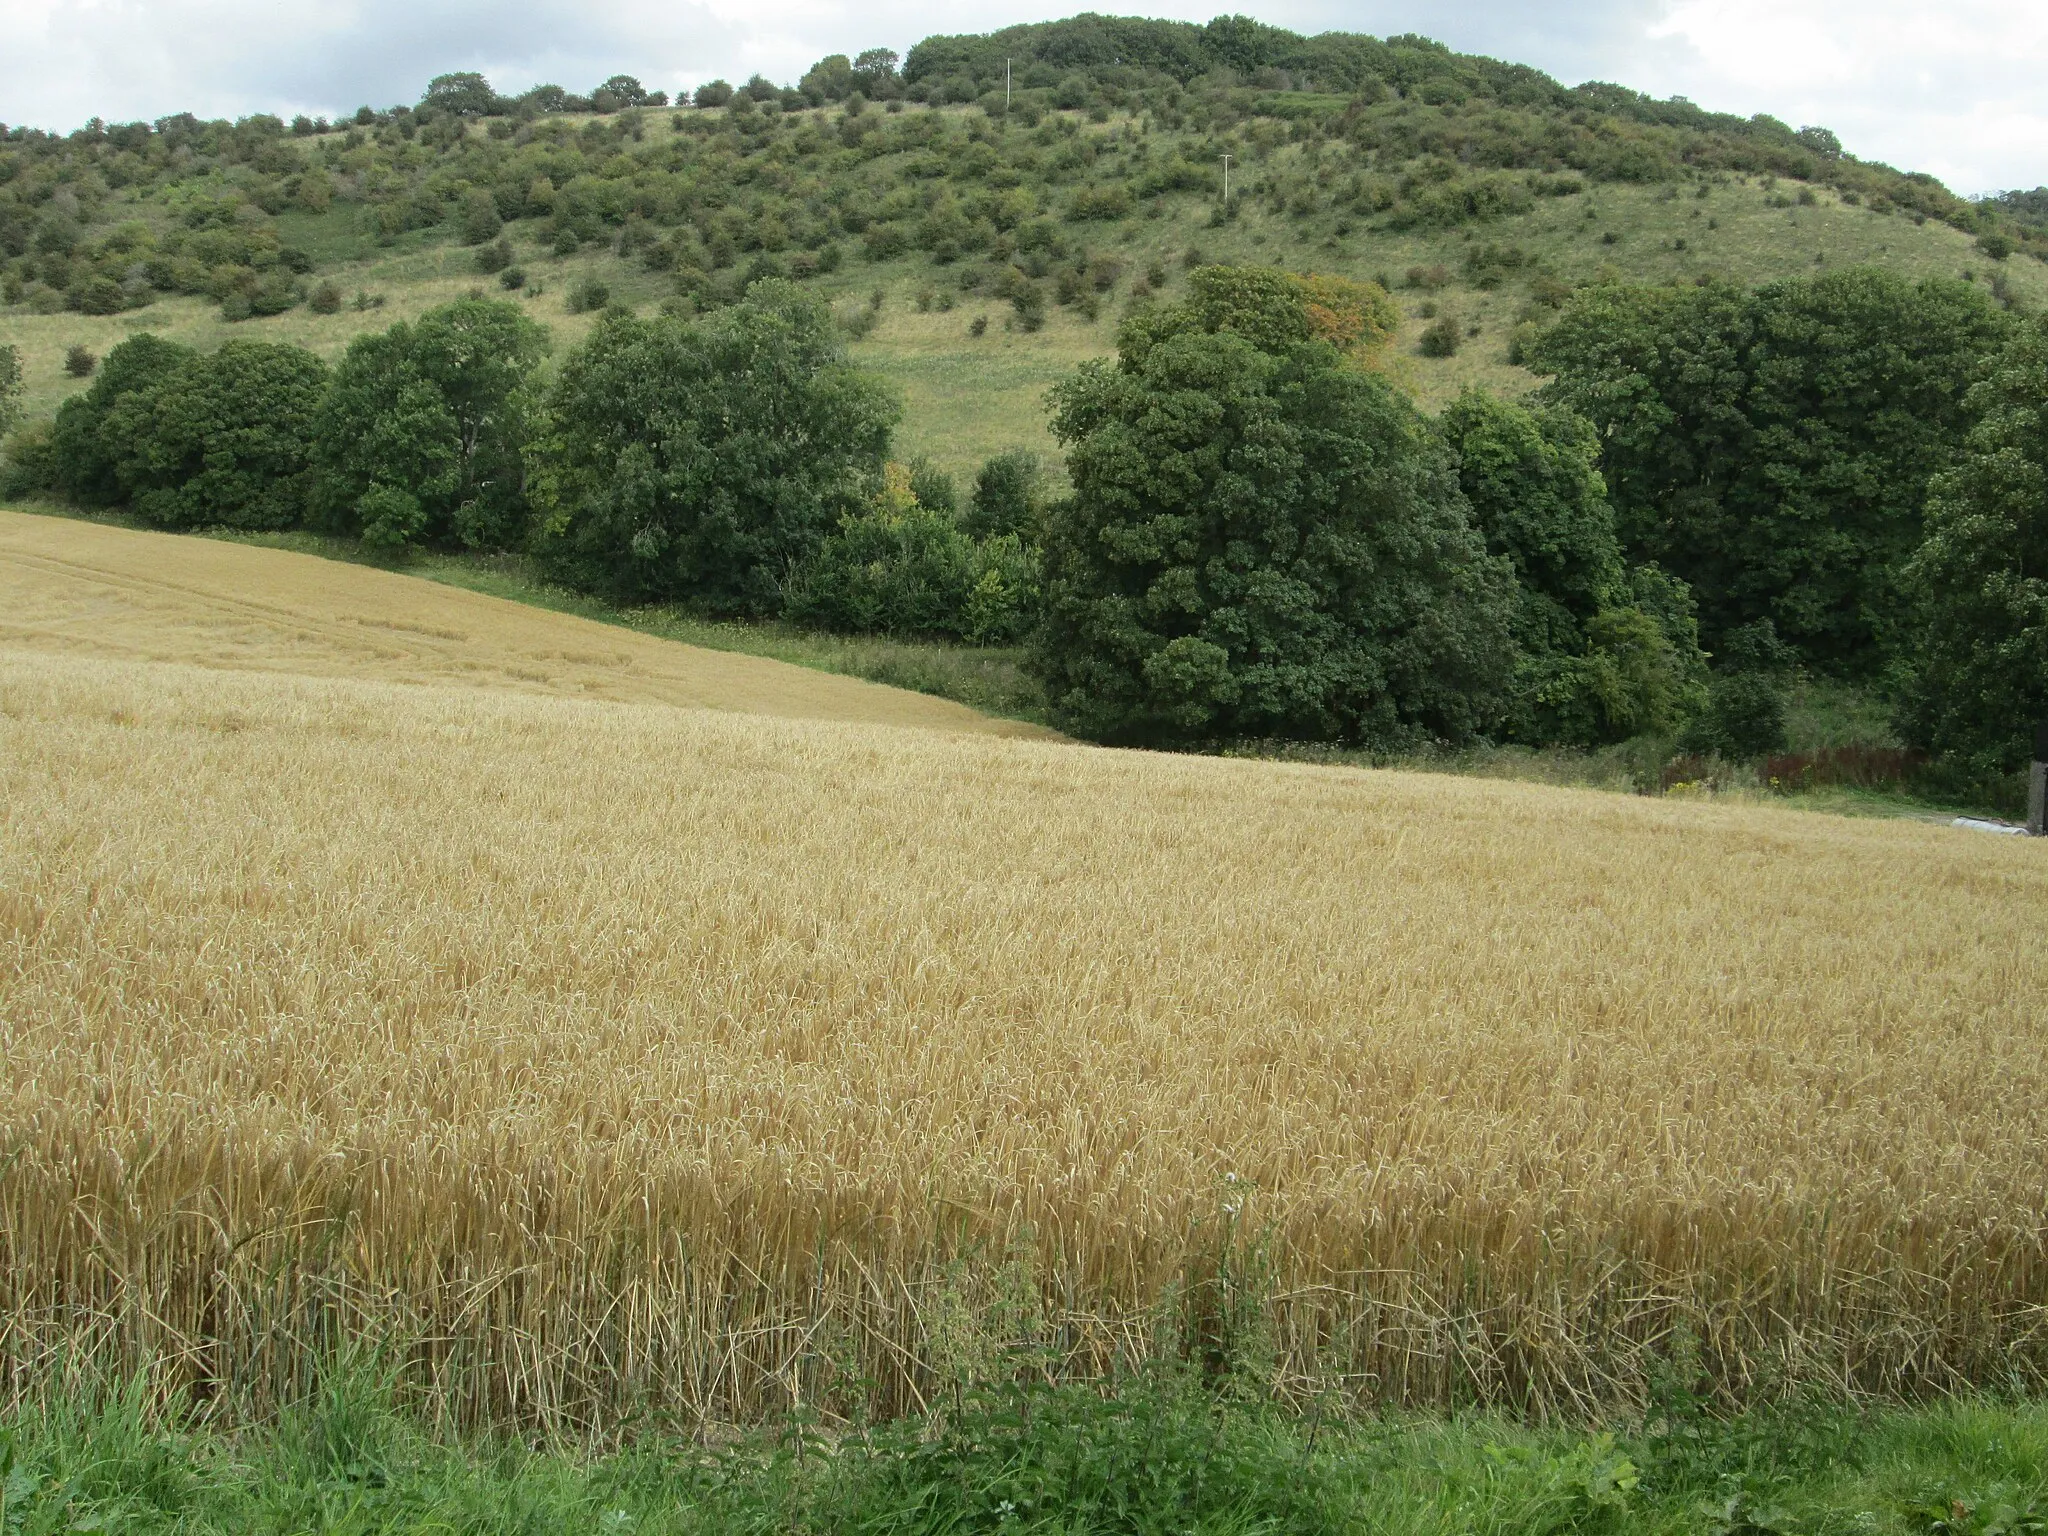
[{"x": 231, "y": 57}]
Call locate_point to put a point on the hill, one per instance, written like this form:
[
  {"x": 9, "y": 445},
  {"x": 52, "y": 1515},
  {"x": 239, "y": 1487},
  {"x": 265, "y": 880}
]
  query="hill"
[
  {"x": 83, "y": 589},
  {"x": 926, "y": 201},
  {"x": 609, "y": 1062}
]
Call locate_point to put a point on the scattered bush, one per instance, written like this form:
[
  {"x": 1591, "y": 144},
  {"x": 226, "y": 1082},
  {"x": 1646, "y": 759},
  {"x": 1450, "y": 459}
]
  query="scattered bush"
[
  {"x": 480, "y": 219},
  {"x": 933, "y": 487},
  {"x": 325, "y": 300},
  {"x": 79, "y": 362},
  {"x": 902, "y": 567},
  {"x": 1441, "y": 339},
  {"x": 586, "y": 296},
  {"x": 1744, "y": 718},
  {"x": 1109, "y": 201},
  {"x": 12, "y": 384},
  {"x": 27, "y": 464},
  {"x": 1008, "y": 496}
]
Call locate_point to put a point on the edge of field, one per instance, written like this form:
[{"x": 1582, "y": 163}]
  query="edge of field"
[
  {"x": 989, "y": 680},
  {"x": 995, "y": 682}
]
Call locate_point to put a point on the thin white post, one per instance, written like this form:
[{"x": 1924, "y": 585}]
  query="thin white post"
[
  {"x": 2037, "y": 785},
  {"x": 1226, "y": 181},
  {"x": 1006, "y": 82}
]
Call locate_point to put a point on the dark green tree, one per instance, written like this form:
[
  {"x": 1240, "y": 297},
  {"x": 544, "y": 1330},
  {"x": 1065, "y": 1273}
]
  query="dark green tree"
[
  {"x": 1008, "y": 496},
  {"x": 830, "y": 79},
  {"x": 1262, "y": 540},
  {"x": 620, "y": 92},
  {"x": 480, "y": 220},
  {"x": 223, "y": 441},
  {"x": 420, "y": 438},
  {"x": 10, "y": 387},
  {"x": 904, "y": 566},
  {"x": 463, "y": 95},
  {"x": 874, "y": 73},
  {"x": 702, "y": 461},
  {"x": 83, "y": 458},
  {"x": 1976, "y": 674},
  {"x": 1603, "y": 654},
  {"x": 933, "y": 487},
  {"x": 1773, "y": 448}
]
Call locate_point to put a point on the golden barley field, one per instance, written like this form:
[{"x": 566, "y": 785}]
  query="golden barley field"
[
  {"x": 603, "y": 1058},
  {"x": 86, "y": 588}
]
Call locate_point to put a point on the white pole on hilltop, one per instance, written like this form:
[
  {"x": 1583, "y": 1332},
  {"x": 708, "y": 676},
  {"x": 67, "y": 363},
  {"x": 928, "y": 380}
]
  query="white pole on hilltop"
[{"x": 2037, "y": 784}]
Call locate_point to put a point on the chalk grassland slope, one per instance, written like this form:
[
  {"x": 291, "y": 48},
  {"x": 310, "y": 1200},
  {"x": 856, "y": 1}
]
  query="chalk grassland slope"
[
  {"x": 968, "y": 396},
  {"x": 612, "y": 1059},
  {"x": 79, "y": 587}
]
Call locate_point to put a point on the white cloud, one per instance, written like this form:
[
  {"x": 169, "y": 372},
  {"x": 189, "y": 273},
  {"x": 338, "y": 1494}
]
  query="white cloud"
[{"x": 1951, "y": 88}]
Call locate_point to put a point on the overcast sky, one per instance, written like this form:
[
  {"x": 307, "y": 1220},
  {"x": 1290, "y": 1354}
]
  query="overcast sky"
[{"x": 1955, "y": 89}]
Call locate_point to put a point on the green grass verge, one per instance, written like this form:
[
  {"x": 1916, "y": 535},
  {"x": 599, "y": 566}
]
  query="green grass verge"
[{"x": 1162, "y": 1456}]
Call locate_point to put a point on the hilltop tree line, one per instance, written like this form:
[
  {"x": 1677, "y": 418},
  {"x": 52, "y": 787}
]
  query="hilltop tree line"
[
  {"x": 1101, "y": 120},
  {"x": 1262, "y": 538}
]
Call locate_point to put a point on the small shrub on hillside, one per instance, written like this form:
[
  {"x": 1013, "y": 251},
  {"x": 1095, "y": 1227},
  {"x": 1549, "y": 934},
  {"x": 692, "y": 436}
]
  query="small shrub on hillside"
[
  {"x": 1007, "y": 496},
  {"x": 1112, "y": 201},
  {"x": 325, "y": 300},
  {"x": 79, "y": 362},
  {"x": 480, "y": 219},
  {"x": 512, "y": 278},
  {"x": 495, "y": 257},
  {"x": 1521, "y": 340},
  {"x": 1488, "y": 266},
  {"x": 587, "y": 296},
  {"x": 28, "y": 463},
  {"x": 1441, "y": 339},
  {"x": 933, "y": 487}
]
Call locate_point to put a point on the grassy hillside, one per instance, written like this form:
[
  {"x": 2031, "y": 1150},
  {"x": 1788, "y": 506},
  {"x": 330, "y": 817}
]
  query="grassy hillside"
[
  {"x": 612, "y": 1061},
  {"x": 1496, "y": 187}
]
